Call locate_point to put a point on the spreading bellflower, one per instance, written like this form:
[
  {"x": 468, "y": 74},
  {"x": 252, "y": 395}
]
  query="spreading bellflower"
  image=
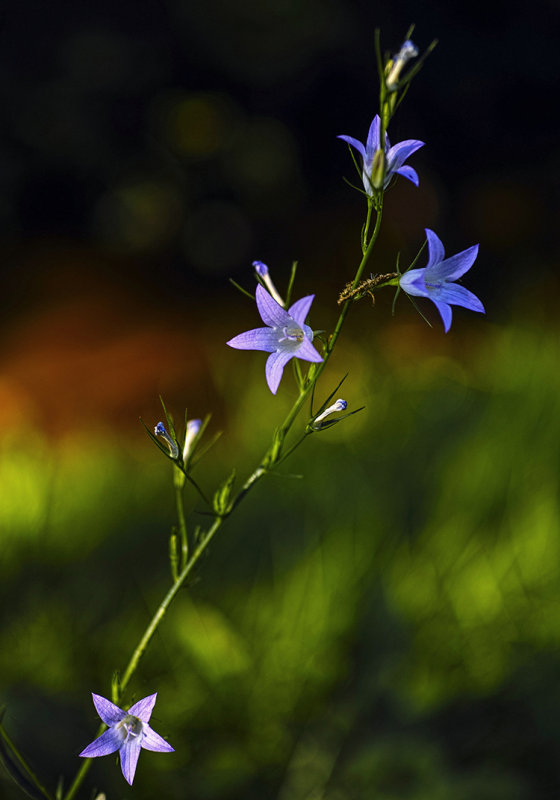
[
  {"x": 285, "y": 336},
  {"x": 128, "y": 733},
  {"x": 395, "y": 157},
  {"x": 435, "y": 280}
]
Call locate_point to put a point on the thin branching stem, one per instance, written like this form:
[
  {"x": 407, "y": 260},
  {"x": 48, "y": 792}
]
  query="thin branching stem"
[{"x": 271, "y": 459}]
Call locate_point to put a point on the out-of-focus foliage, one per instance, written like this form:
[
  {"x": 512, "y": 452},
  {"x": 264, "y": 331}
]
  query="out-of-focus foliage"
[{"x": 384, "y": 626}]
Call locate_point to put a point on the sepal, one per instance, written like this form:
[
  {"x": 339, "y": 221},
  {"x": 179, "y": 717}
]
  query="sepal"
[
  {"x": 115, "y": 686},
  {"x": 222, "y": 495}
]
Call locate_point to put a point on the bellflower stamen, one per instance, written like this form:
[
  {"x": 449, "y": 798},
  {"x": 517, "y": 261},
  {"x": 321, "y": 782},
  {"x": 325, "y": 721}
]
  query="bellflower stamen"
[
  {"x": 193, "y": 427},
  {"x": 160, "y": 431},
  {"x": 128, "y": 732},
  {"x": 375, "y": 173},
  {"x": 408, "y": 50},
  {"x": 263, "y": 272},
  {"x": 436, "y": 280},
  {"x": 285, "y": 336}
]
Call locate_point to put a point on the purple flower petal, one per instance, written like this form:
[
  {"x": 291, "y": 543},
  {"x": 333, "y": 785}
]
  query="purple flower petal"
[
  {"x": 453, "y": 294},
  {"x": 436, "y": 253},
  {"x": 129, "y": 757},
  {"x": 446, "y": 314},
  {"x": 372, "y": 144},
  {"x": 398, "y": 154},
  {"x": 271, "y": 312},
  {"x": 275, "y": 364},
  {"x": 453, "y": 267},
  {"x": 412, "y": 282},
  {"x": 408, "y": 172},
  {"x": 153, "y": 741},
  {"x": 435, "y": 281},
  {"x": 307, "y": 352},
  {"x": 143, "y": 708},
  {"x": 355, "y": 143},
  {"x": 300, "y": 309},
  {"x": 104, "y": 745},
  {"x": 257, "y": 339},
  {"x": 109, "y": 712}
]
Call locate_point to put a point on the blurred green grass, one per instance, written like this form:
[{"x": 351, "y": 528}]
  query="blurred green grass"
[{"x": 383, "y": 626}]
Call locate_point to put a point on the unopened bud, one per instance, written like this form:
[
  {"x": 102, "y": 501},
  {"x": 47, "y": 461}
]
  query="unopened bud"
[
  {"x": 263, "y": 273},
  {"x": 339, "y": 405},
  {"x": 160, "y": 431},
  {"x": 395, "y": 67},
  {"x": 378, "y": 167},
  {"x": 193, "y": 427}
]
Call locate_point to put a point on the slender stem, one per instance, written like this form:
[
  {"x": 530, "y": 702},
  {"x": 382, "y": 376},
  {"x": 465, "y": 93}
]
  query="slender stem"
[
  {"x": 357, "y": 277},
  {"x": 164, "y": 605},
  {"x": 272, "y": 457},
  {"x": 181, "y": 520},
  {"x": 147, "y": 635},
  {"x": 289, "y": 452},
  {"x": 80, "y": 775},
  {"x": 366, "y": 225}
]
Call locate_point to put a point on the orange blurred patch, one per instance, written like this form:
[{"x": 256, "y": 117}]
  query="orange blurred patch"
[{"x": 94, "y": 355}]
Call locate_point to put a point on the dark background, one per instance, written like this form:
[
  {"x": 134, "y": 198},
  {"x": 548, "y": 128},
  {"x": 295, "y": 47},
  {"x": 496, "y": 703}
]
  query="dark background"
[{"x": 387, "y": 626}]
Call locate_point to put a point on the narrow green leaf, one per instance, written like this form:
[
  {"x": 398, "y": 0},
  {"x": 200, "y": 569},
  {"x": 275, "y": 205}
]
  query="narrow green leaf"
[
  {"x": 291, "y": 282},
  {"x": 115, "y": 686},
  {"x": 169, "y": 419},
  {"x": 241, "y": 289},
  {"x": 164, "y": 449},
  {"x": 222, "y": 495}
]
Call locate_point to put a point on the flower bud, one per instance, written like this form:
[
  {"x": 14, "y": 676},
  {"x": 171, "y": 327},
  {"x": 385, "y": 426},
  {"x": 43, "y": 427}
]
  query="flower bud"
[
  {"x": 160, "y": 431},
  {"x": 408, "y": 50},
  {"x": 193, "y": 427},
  {"x": 339, "y": 405},
  {"x": 377, "y": 176},
  {"x": 263, "y": 273}
]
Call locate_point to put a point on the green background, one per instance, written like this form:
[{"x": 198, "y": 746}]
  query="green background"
[{"x": 380, "y": 620}]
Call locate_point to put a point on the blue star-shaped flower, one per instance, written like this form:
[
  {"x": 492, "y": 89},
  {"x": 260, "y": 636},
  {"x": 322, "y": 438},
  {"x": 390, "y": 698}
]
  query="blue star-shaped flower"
[
  {"x": 435, "y": 280},
  {"x": 128, "y": 733},
  {"x": 395, "y": 156},
  {"x": 286, "y": 336}
]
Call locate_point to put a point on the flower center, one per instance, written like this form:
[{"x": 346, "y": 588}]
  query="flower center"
[
  {"x": 291, "y": 333},
  {"x": 132, "y": 725}
]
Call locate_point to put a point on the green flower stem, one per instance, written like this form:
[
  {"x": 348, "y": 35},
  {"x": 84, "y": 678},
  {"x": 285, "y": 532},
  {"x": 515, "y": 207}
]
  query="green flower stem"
[
  {"x": 181, "y": 519},
  {"x": 147, "y": 635},
  {"x": 81, "y": 773},
  {"x": 272, "y": 457},
  {"x": 165, "y": 603},
  {"x": 365, "y": 229},
  {"x": 346, "y": 307}
]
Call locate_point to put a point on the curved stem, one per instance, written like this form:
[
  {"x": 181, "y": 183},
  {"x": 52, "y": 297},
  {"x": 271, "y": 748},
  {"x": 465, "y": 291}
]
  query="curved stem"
[
  {"x": 165, "y": 603},
  {"x": 272, "y": 457},
  {"x": 182, "y": 523},
  {"x": 273, "y": 454},
  {"x": 147, "y": 635}
]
